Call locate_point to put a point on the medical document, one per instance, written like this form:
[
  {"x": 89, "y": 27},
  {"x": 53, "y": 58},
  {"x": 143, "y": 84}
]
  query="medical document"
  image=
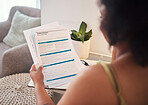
[{"x": 54, "y": 50}]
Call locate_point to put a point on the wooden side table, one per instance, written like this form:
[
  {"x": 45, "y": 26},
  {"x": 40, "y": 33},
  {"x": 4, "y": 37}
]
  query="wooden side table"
[{"x": 14, "y": 90}]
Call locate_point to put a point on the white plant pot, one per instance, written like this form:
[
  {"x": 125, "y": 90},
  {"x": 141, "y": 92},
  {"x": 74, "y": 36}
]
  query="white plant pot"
[{"x": 82, "y": 49}]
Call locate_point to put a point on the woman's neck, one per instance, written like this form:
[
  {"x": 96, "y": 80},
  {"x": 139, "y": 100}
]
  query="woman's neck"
[{"x": 122, "y": 49}]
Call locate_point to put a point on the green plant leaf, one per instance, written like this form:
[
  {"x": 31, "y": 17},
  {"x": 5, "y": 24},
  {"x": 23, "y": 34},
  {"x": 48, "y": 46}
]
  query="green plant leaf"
[
  {"x": 74, "y": 37},
  {"x": 81, "y": 35},
  {"x": 75, "y": 32},
  {"x": 81, "y": 38},
  {"x": 83, "y": 28},
  {"x": 88, "y": 35}
]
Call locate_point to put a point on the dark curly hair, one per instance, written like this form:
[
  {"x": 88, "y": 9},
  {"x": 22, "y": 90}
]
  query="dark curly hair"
[{"x": 127, "y": 20}]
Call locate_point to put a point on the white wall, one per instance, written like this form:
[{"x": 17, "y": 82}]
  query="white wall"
[{"x": 70, "y": 13}]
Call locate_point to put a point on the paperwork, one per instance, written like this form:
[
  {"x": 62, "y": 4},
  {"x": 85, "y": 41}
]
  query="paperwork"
[{"x": 50, "y": 45}]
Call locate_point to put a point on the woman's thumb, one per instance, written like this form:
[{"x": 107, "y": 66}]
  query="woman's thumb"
[{"x": 40, "y": 68}]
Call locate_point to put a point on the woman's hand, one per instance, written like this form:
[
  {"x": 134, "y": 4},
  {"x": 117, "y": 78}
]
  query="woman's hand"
[
  {"x": 37, "y": 75},
  {"x": 42, "y": 97}
]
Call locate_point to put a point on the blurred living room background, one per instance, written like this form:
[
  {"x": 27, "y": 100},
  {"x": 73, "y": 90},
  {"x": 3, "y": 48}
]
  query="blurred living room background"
[
  {"x": 19, "y": 15},
  {"x": 6, "y": 5},
  {"x": 14, "y": 53},
  {"x": 16, "y": 16}
]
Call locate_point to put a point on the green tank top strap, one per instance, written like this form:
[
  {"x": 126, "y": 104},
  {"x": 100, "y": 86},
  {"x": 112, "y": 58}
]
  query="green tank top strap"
[{"x": 114, "y": 80}]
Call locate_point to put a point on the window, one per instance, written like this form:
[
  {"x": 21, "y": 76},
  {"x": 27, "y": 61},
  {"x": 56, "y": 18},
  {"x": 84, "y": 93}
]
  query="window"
[{"x": 6, "y": 5}]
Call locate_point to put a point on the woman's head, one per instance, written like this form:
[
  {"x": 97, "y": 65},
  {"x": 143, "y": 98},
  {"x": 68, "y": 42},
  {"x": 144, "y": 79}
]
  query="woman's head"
[{"x": 127, "y": 20}]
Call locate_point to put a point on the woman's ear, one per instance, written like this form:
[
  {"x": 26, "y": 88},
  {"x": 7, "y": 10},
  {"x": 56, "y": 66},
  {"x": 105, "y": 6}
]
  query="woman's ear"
[{"x": 102, "y": 10}]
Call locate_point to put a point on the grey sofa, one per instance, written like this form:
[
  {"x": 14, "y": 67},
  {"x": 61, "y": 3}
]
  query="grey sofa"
[{"x": 16, "y": 59}]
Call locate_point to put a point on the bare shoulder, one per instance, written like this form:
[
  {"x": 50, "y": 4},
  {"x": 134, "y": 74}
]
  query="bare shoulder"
[{"x": 90, "y": 87}]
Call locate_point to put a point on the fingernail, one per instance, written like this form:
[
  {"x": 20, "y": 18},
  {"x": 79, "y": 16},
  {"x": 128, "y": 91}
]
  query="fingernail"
[
  {"x": 40, "y": 67},
  {"x": 32, "y": 66}
]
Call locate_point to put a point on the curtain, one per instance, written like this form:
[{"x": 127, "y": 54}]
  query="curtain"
[{"x": 6, "y": 5}]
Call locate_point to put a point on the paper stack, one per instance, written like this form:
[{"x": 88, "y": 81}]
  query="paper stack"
[{"x": 50, "y": 45}]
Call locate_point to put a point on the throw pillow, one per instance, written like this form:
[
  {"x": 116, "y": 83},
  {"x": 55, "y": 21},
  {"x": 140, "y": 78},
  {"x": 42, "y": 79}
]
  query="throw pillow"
[{"x": 20, "y": 22}]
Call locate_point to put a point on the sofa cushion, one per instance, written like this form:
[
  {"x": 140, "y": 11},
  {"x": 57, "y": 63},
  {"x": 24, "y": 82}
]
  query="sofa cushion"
[{"x": 20, "y": 23}]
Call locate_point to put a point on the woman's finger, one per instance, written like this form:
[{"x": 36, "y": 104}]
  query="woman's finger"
[
  {"x": 33, "y": 68},
  {"x": 40, "y": 68}
]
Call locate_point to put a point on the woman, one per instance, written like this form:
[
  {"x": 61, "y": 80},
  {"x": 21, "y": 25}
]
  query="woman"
[{"x": 124, "y": 81}]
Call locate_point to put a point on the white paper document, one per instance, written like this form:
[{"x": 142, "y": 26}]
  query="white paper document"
[
  {"x": 52, "y": 48},
  {"x": 30, "y": 38}
]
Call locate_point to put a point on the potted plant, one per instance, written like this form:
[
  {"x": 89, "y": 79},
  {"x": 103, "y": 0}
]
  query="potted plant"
[{"x": 81, "y": 40}]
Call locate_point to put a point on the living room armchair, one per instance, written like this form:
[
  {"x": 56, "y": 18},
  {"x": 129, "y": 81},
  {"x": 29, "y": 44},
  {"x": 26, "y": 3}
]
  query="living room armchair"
[{"x": 15, "y": 59}]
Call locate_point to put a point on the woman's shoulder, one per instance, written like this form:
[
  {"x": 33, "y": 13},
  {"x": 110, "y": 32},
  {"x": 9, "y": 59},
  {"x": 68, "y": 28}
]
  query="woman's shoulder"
[
  {"x": 91, "y": 87},
  {"x": 91, "y": 76},
  {"x": 94, "y": 73}
]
